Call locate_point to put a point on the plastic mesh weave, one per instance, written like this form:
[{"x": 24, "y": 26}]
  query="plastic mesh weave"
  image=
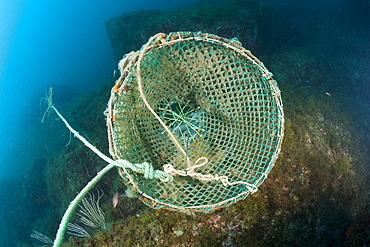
[{"x": 220, "y": 103}]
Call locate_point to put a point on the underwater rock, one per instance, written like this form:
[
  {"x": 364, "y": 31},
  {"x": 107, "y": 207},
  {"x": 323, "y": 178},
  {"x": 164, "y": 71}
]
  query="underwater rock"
[{"x": 256, "y": 24}]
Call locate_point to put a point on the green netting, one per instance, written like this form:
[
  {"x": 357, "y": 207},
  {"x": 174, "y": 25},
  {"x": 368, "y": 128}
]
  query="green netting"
[{"x": 204, "y": 105}]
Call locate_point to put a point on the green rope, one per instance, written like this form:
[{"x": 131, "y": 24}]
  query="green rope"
[
  {"x": 145, "y": 168},
  {"x": 73, "y": 205}
]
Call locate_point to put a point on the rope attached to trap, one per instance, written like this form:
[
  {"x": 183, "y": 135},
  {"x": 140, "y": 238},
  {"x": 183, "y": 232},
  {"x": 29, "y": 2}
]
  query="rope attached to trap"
[{"x": 145, "y": 168}]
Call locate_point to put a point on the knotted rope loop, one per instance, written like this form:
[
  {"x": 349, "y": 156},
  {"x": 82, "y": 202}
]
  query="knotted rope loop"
[{"x": 144, "y": 168}]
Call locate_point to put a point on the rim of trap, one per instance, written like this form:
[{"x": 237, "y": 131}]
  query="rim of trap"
[{"x": 130, "y": 66}]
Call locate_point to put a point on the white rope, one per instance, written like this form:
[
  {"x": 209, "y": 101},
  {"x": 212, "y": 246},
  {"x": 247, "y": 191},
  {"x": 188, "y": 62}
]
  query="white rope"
[
  {"x": 145, "y": 168},
  {"x": 169, "y": 169},
  {"x": 140, "y": 88}
]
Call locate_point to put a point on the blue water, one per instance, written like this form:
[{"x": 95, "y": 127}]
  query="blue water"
[{"x": 60, "y": 44}]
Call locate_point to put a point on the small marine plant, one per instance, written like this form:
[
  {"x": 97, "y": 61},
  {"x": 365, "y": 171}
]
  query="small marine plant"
[
  {"x": 41, "y": 237},
  {"x": 77, "y": 230},
  {"x": 90, "y": 211},
  {"x": 91, "y": 215}
]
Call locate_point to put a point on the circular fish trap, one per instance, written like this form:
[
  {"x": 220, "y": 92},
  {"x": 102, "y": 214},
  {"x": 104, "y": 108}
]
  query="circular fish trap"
[{"x": 203, "y": 109}]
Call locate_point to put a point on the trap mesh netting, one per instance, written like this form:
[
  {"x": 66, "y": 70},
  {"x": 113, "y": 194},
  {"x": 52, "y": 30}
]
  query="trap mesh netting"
[{"x": 203, "y": 109}]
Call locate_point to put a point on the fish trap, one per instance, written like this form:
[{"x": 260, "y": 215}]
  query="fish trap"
[{"x": 202, "y": 109}]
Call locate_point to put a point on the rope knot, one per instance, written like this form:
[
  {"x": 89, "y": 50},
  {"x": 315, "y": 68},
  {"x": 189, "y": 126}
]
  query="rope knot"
[{"x": 146, "y": 169}]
